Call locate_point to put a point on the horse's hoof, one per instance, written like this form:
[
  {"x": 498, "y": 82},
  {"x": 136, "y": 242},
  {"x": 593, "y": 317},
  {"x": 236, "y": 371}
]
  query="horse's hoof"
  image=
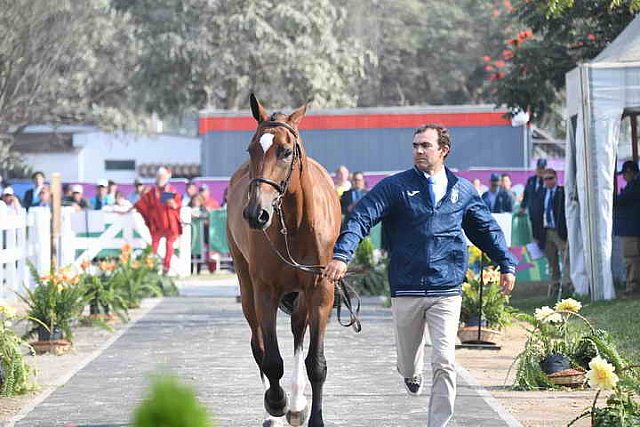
[
  {"x": 297, "y": 418},
  {"x": 272, "y": 422},
  {"x": 278, "y": 408}
]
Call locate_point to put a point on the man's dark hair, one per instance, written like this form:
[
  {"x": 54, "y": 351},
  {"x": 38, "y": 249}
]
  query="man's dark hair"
[
  {"x": 505, "y": 175},
  {"x": 551, "y": 171},
  {"x": 36, "y": 173},
  {"x": 444, "y": 139}
]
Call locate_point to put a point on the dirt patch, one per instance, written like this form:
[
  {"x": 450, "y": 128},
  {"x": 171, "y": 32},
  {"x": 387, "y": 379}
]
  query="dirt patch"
[
  {"x": 53, "y": 371},
  {"x": 531, "y": 408}
]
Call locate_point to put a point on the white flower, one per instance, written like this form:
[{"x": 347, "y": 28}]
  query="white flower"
[
  {"x": 568, "y": 304},
  {"x": 547, "y": 315},
  {"x": 601, "y": 374},
  {"x": 7, "y": 310}
]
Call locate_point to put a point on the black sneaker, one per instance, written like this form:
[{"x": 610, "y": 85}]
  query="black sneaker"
[{"x": 413, "y": 385}]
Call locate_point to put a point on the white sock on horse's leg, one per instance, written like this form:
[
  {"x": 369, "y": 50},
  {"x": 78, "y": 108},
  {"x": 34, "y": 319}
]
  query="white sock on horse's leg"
[{"x": 298, "y": 383}]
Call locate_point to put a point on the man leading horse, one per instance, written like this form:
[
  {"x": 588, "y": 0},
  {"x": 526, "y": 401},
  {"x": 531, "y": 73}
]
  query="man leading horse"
[{"x": 425, "y": 210}]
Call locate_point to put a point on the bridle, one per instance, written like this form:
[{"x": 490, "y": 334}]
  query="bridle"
[{"x": 344, "y": 290}]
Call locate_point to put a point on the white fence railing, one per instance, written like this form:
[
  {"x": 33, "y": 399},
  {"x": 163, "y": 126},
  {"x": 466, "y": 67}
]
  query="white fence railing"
[{"x": 26, "y": 237}]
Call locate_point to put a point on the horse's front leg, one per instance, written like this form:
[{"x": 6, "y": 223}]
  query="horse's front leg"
[
  {"x": 320, "y": 303},
  {"x": 298, "y": 412},
  {"x": 275, "y": 399}
]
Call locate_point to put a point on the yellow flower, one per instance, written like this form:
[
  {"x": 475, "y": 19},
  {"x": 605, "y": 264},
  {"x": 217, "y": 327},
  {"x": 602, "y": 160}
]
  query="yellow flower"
[
  {"x": 60, "y": 287},
  {"x": 135, "y": 265},
  {"x": 491, "y": 276},
  {"x": 568, "y": 304},
  {"x": 470, "y": 276},
  {"x": 149, "y": 262},
  {"x": 6, "y": 310},
  {"x": 547, "y": 314},
  {"x": 466, "y": 287},
  {"x": 124, "y": 257},
  {"x": 601, "y": 374},
  {"x": 474, "y": 254}
]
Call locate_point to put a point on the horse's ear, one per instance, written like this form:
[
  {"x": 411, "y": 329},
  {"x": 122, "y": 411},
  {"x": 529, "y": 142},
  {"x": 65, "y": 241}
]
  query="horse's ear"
[
  {"x": 257, "y": 109},
  {"x": 296, "y": 117}
]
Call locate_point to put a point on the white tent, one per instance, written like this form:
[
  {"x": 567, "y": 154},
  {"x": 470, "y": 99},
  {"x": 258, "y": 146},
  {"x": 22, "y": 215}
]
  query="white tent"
[{"x": 599, "y": 94}]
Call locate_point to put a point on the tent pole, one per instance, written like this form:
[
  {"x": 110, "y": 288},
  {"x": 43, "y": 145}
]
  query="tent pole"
[{"x": 634, "y": 136}]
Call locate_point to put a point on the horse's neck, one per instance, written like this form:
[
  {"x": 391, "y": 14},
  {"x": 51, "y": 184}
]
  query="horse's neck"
[{"x": 299, "y": 205}]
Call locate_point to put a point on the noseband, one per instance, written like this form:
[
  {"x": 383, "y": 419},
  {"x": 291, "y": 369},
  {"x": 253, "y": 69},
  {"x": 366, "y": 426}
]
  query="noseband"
[{"x": 281, "y": 187}]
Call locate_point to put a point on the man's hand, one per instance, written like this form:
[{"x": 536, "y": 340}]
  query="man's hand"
[
  {"x": 335, "y": 270},
  {"x": 508, "y": 281}
]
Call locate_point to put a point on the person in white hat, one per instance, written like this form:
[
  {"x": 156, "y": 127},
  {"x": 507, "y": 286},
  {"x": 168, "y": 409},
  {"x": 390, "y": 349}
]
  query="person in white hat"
[
  {"x": 77, "y": 200},
  {"x": 160, "y": 208},
  {"x": 11, "y": 201},
  {"x": 100, "y": 199}
]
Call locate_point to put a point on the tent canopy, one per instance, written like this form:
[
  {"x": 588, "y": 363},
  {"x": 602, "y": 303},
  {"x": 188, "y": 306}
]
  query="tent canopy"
[{"x": 598, "y": 94}]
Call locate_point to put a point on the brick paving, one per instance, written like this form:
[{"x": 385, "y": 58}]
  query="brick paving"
[{"x": 204, "y": 338}]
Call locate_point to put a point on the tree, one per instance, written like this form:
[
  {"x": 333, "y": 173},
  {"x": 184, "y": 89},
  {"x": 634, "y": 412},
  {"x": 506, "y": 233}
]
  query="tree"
[
  {"x": 425, "y": 52},
  {"x": 198, "y": 53},
  {"x": 529, "y": 71},
  {"x": 559, "y": 7}
]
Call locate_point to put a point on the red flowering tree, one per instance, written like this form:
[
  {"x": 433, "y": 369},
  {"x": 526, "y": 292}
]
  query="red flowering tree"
[{"x": 529, "y": 70}]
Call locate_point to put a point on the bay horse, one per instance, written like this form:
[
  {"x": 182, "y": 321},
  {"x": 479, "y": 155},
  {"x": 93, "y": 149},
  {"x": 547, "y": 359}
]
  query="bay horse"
[{"x": 283, "y": 202}]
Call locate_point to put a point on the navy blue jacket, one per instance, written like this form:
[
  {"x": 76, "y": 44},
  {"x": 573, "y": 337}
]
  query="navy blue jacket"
[
  {"x": 532, "y": 190},
  {"x": 536, "y": 213},
  {"x": 504, "y": 201},
  {"x": 428, "y": 250},
  {"x": 626, "y": 217}
]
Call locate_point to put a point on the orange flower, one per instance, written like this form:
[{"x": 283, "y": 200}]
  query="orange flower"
[
  {"x": 126, "y": 248},
  {"x": 591, "y": 37},
  {"x": 136, "y": 265},
  {"x": 507, "y": 55},
  {"x": 499, "y": 64},
  {"x": 84, "y": 265},
  {"x": 124, "y": 257},
  {"x": 486, "y": 58},
  {"x": 149, "y": 262},
  {"x": 45, "y": 278}
]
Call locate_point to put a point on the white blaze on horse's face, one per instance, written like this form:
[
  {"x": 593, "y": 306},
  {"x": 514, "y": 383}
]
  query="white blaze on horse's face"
[{"x": 266, "y": 141}]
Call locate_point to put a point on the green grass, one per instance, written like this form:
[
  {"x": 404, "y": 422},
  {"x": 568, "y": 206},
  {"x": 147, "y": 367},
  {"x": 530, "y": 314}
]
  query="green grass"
[{"x": 618, "y": 317}]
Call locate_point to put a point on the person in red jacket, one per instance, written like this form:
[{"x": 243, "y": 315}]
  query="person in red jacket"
[{"x": 160, "y": 208}]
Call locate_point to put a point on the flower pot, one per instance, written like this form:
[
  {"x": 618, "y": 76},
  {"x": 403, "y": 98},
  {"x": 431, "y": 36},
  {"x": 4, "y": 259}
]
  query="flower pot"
[
  {"x": 45, "y": 335},
  {"x": 568, "y": 377},
  {"x": 475, "y": 321},
  {"x": 555, "y": 362},
  {"x": 56, "y": 347},
  {"x": 470, "y": 334}
]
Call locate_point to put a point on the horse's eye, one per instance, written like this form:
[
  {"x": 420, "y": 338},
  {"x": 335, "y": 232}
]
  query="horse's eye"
[{"x": 286, "y": 152}]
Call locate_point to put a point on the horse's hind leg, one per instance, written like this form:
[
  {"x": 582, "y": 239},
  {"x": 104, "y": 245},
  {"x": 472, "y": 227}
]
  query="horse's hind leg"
[
  {"x": 266, "y": 302},
  {"x": 320, "y": 302},
  {"x": 297, "y": 414}
]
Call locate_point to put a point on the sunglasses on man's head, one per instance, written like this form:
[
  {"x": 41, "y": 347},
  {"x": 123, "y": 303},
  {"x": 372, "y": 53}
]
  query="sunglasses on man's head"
[{"x": 549, "y": 178}]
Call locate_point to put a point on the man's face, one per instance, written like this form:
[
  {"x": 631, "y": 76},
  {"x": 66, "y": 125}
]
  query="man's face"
[
  {"x": 540, "y": 172},
  {"x": 506, "y": 182},
  {"x": 549, "y": 180},
  {"x": 495, "y": 184},
  {"x": 139, "y": 187},
  {"x": 8, "y": 198},
  {"x": 102, "y": 190},
  {"x": 162, "y": 180},
  {"x": 427, "y": 155},
  {"x": 38, "y": 180},
  {"x": 192, "y": 190},
  {"x": 77, "y": 197},
  {"x": 358, "y": 181},
  {"x": 629, "y": 176}
]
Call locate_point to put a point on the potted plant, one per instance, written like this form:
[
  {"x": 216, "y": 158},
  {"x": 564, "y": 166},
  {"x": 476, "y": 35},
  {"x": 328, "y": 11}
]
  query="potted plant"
[
  {"x": 56, "y": 301},
  {"x": 105, "y": 299},
  {"x": 492, "y": 316},
  {"x": 557, "y": 346},
  {"x": 15, "y": 373}
]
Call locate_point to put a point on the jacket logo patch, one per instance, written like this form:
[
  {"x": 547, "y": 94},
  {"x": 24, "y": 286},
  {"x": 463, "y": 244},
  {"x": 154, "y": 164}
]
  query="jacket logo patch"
[
  {"x": 412, "y": 193},
  {"x": 455, "y": 195}
]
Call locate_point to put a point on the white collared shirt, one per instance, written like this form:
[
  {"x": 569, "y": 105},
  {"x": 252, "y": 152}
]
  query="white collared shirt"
[{"x": 440, "y": 182}]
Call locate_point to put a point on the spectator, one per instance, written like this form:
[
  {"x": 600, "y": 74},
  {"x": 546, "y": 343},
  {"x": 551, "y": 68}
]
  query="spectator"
[
  {"x": 138, "y": 191},
  {"x": 341, "y": 180},
  {"x": 627, "y": 225},
  {"x": 506, "y": 184},
  {"x": 549, "y": 226},
  {"x": 209, "y": 202},
  {"x": 11, "y": 201},
  {"x": 112, "y": 188},
  {"x": 44, "y": 197},
  {"x": 533, "y": 188},
  {"x": 190, "y": 193},
  {"x": 224, "y": 197},
  {"x": 100, "y": 199},
  {"x": 480, "y": 188},
  {"x": 67, "y": 195},
  {"x": 197, "y": 207},
  {"x": 77, "y": 200},
  {"x": 121, "y": 204},
  {"x": 160, "y": 208},
  {"x": 31, "y": 197},
  {"x": 496, "y": 198},
  {"x": 351, "y": 197}
]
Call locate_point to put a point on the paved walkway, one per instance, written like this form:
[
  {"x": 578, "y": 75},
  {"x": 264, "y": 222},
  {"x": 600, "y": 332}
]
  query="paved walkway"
[{"x": 204, "y": 338}]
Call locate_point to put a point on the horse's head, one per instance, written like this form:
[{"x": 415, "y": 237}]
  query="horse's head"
[{"x": 275, "y": 149}]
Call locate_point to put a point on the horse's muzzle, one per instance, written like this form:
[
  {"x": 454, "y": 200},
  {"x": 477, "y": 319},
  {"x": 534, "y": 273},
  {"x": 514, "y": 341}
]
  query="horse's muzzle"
[{"x": 258, "y": 217}]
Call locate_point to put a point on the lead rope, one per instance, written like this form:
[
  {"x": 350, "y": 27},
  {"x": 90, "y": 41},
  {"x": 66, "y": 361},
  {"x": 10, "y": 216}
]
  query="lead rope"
[{"x": 344, "y": 290}]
